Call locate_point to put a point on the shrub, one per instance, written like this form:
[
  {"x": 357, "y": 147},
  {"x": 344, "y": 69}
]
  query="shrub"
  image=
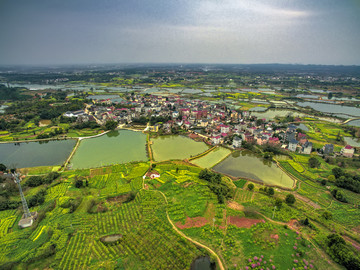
[
  {"x": 314, "y": 162},
  {"x": 290, "y": 199},
  {"x": 250, "y": 186}
]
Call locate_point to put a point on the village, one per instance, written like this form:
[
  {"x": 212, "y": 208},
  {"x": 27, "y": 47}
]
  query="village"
[{"x": 214, "y": 123}]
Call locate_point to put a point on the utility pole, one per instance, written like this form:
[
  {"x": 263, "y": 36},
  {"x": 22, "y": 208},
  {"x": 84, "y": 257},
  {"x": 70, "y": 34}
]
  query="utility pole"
[
  {"x": 23, "y": 200},
  {"x": 273, "y": 212}
]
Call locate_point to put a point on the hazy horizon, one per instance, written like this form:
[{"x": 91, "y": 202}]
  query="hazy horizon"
[{"x": 88, "y": 32}]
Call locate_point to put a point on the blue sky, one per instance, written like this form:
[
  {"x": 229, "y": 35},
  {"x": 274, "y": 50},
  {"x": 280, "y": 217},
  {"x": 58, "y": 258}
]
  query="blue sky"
[{"x": 180, "y": 31}]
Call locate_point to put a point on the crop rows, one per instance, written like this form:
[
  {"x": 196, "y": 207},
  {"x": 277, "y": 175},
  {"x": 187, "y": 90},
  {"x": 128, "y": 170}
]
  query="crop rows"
[
  {"x": 98, "y": 181},
  {"x": 77, "y": 253},
  {"x": 7, "y": 213},
  {"x": 296, "y": 166},
  {"x": 100, "y": 171},
  {"x": 6, "y": 224},
  {"x": 56, "y": 191},
  {"x": 243, "y": 195},
  {"x": 35, "y": 234},
  {"x": 114, "y": 185},
  {"x": 117, "y": 222},
  {"x": 136, "y": 183}
]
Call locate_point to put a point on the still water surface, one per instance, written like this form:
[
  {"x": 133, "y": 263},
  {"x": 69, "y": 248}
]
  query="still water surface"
[
  {"x": 33, "y": 154},
  {"x": 247, "y": 164},
  {"x": 176, "y": 147},
  {"x": 114, "y": 147}
]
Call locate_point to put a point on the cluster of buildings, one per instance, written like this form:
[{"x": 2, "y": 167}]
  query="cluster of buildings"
[{"x": 215, "y": 123}]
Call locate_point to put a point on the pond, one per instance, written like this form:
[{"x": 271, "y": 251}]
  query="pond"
[
  {"x": 271, "y": 114},
  {"x": 33, "y": 154},
  {"x": 355, "y": 123},
  {"x": 114, "y": 147},
  {"x": 111, "y": 238},
  {"x": 203, "y": 263},
  {"x": 212, "y": 158},
  {"x": 352, "y": 141},
  {"x": 258, "y": 109},
  {"x": 176, "y": 147},
  {"x": 101, "y": 97},
  {"x": 307, "y": 96},
  {"x": 331, "y": 108},
  {"x": 303, "y": 127},
  {"x": 248, "y": 165},
  {"x": 191, "y": 91}
]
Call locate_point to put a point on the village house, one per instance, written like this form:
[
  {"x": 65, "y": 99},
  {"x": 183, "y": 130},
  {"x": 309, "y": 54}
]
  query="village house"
[
  {"x": 328, "y": 149},
  {"x": 237, "y": 141},
  {"x": 216, "y": 140},
  {"x": 292, "y": 145},
  {"x": 347, "y": 151},
  {"x": 306, "y": 148}
]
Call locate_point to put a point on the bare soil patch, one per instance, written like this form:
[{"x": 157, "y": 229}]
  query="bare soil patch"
[
  {"x": 243, "y": 222},
  {"x": 188, "y": 184},
  {"x": 235, "y": 206},
  {"x": 192, "y": 222},
  {"x": 119, "y": 199},
  {"x": 294, "y": 224}
]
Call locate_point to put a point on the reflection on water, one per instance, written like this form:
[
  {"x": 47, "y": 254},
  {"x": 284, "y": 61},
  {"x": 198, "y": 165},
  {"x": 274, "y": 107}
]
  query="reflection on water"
[
  {"x": 115, "y": 147},
  {"x": 203, "y": 263},
  {"x": 32, "y": 154},
  {"x": 247, "y": 164},
  {"x": 176, "y": 147}
]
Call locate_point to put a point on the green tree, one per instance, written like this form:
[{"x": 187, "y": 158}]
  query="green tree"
[
  {"x": 278, "y": 203},
  {"x": 331, "y": 178},
  {"x": 314, "y": 162},
  {"x": 270, "y": 191},
  {"x": 2, "y": 167},
  {"x": 79, "y": 183},
  {"x": 110, "y": 125},
  {"x": 250, "y": 186},
  {"x": 290, "y": 199}
]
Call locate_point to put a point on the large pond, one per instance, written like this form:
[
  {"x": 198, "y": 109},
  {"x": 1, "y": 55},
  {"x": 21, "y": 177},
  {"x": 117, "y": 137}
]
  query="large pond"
[
  {"x": 248, "y": 165},
  {"x": 212, "y": 158},
  {"x": 33, "y": 154},
  {"x": 271, "y": 114},
  {"x": 114, "y": 147},
  {"x": 332, "y": 108},
  {"x": 176, "y": 147}
]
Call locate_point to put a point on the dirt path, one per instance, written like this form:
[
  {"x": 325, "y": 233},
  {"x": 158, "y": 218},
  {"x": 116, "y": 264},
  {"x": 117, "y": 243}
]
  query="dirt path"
[
  {"x": 220, "y": 264},
  {"x": 306, "y": 200}
]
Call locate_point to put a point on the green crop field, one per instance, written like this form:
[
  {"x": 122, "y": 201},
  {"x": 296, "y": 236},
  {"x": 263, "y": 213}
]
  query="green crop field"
[{"x": 244, "y": 232}]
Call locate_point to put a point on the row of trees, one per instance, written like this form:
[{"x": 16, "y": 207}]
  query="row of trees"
[
  {"x": 289, "y": 199},
  {"x": 34, "y": 181},
  {"x": 341, "y": 253},
  {"x": 346, "y": 180}
]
